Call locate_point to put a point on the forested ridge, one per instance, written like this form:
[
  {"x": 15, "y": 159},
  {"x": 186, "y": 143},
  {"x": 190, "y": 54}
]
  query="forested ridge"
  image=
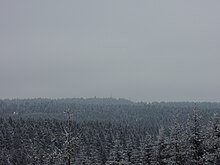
[{"x": 108, "y": 131}]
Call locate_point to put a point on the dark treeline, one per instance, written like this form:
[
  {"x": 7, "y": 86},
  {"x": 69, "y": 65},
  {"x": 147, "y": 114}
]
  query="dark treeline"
[
  {"x": 106, "y": 109},
  {"x": 108, "y": 132}
]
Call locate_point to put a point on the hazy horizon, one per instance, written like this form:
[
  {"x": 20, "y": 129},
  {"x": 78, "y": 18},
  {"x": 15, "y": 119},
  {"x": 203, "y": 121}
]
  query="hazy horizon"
[
  {"x": 116, "y": 98},
  {"x": 138, "y": 50}
]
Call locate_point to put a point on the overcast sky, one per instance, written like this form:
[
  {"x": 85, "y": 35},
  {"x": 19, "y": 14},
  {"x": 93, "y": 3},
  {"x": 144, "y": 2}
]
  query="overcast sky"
[{"x": 143, "y": 50}]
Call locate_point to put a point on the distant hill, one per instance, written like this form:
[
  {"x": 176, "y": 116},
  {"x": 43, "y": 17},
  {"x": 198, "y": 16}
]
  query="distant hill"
[{"x": 95, "y": 100}]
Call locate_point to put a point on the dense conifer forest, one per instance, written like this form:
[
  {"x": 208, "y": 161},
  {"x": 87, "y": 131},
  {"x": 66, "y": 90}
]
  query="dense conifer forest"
[{"x": 108, "y": 132}]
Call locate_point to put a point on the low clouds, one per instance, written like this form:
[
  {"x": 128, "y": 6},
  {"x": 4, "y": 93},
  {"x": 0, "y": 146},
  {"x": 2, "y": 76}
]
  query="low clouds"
[{"x": 150, "y": 51}]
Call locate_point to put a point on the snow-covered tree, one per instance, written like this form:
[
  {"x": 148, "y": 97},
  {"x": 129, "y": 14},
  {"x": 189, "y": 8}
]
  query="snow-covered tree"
[
  {"x": 177, "y": 143},
  {"x": 195, "y": 140}
]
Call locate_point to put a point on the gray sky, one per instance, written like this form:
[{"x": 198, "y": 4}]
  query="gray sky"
[{"x": 143, "y": 50}]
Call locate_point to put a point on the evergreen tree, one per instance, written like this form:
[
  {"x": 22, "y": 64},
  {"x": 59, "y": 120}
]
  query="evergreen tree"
[
  {"x": 212, "y": 143},
  {"x": 148, "y": 153},
  {"x": 195, "y": 139},
  {"x": 177, "y": 143},
  {"x": 162, "y": 148}
]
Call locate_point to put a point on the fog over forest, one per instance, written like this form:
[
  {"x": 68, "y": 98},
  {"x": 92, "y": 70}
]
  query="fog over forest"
[{"x": 97, "y": 82}]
